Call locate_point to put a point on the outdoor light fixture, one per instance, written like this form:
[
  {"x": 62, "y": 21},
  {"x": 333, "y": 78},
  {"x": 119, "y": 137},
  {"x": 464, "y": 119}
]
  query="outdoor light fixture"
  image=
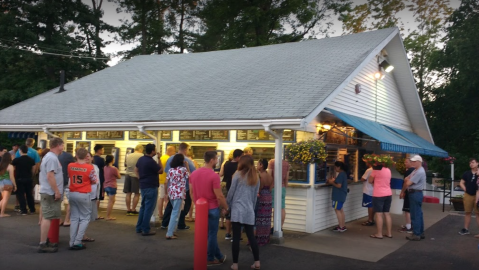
[
  {"x": 387, "y": 67},
  {"x": 378, "y": 75},
  {"x": 323, "y": 128},
  {"x": 327, "y": 126}
]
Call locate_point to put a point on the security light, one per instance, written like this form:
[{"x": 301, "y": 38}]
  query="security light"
[{"x": 387, "y": 67}]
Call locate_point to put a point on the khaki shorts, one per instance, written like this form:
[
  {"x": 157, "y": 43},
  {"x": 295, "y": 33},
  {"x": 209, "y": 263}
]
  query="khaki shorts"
[
  {"x": 162, "y": 191},
  {"x": 470, "y": 203},
  {"x": 51, "y": 209}
]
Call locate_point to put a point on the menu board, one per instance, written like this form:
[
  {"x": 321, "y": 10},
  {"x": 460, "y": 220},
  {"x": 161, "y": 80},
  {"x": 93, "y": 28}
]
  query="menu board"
[
  {"x": 262, "y": 135},
  {"x": 204, "y": 135},
  {"x": 165, "y": 135},
  {"x": 104, "y": 135},
  {"x": 72, "y": 135}
]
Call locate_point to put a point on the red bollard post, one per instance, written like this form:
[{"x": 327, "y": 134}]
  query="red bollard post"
[
  {"x": 201, "y": 234},
  {"x": 54, "y": 232}
]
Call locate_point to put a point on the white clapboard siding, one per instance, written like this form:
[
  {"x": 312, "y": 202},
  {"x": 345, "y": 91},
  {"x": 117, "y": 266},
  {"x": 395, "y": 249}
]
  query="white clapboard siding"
[
  {"x": 390, "y": 107},
  {"x": 119, "y": 199},
  {"x": 324, "y": 215},
  {"x": 296, "y": 209}
]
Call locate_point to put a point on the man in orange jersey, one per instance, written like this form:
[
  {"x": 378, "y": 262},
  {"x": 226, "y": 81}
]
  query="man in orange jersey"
[{"x": 82, "y": 176}]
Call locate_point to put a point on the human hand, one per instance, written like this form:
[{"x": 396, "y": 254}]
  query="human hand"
[
  {"x": 57, "y": 196},
  {"x": 401, "y": 196}
]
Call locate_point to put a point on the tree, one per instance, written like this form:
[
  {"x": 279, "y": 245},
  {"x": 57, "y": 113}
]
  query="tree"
[
  {"x": 420, "y": 44},
  {"x": 375, "y": 14},
  {"x": 146, "y": 26},
  {"x": 31, "y": 32},
  {"x": 182, "y": 18},
  {"x": 234, "y": 24},
  {"x": 453, "y": 112}
]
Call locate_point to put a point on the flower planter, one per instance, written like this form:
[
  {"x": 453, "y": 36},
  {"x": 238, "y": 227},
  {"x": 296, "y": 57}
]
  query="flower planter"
[{"x": 458, "y": 204}]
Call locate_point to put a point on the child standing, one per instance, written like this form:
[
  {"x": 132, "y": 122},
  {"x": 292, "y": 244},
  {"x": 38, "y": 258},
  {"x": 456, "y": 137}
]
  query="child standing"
[{"x": 111, "y": 175}]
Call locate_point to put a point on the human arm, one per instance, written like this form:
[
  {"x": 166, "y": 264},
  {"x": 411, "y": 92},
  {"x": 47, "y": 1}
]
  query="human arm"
[
  {"x": 222, "y": 170},
  {"x": 53, "y": 184},
  {"x": 137, "y": 173},
  {"x": 191, "y": 193},
  {"x": 118, "y": 175},
  {"x": 221, "y": 198},
  {"x": 160, "y": 171},
  {"x": 93, "y": 178},
  {"x": 11, "y": 173},
  {"x": 462, "y": 184}
]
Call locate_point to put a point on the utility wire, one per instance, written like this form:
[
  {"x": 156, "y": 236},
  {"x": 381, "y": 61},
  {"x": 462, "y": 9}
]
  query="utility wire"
[{"x": 56, "y": 54}]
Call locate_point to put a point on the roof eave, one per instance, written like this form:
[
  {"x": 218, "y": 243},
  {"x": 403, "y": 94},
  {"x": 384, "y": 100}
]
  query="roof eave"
[{"x": 295, "y": 124}]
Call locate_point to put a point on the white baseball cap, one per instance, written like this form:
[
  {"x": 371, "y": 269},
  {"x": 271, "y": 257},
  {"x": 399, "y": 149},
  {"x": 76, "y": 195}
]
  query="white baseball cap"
[{"x": 416, "y": 158}]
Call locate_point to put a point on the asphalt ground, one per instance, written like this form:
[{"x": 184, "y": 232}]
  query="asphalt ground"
[{"x": 117, "y": 246}]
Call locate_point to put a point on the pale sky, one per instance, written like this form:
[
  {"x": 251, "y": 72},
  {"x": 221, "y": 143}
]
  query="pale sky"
[{"x": 113, "y": 18}]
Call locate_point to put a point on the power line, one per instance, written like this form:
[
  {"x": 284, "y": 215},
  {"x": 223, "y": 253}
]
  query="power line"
[{"x": 56, "y": 54}]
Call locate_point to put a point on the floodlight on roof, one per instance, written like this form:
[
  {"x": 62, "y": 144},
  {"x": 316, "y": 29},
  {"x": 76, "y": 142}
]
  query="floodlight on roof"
[{"x": 386, "y": 66}]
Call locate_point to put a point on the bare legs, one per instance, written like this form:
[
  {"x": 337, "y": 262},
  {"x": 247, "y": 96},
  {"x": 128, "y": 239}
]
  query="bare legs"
[
  {"x": 111, "y": 202},
  {"x": 4, "y": 202},
  {"x": 67, "y": 215},
  {"x": 379, "y": 224},
  {"x": 44, "y": 228},
  {"x": 370, "y": 214},
  {"x": 341, "y": 218},
  {"x": 131, "y": 207}
]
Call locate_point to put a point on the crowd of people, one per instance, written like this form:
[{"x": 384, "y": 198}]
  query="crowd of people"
[{"x": 240, "y": 197}]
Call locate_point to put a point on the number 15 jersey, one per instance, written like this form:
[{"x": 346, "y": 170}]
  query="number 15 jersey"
[{"x": 82, "y": 176}]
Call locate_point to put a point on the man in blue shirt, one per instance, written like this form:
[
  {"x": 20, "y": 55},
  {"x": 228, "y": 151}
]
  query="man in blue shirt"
[
  {"x": 31, "y": 153},
  {"x": 147, "y": 171},
  {"x": 182, "y": 150}
]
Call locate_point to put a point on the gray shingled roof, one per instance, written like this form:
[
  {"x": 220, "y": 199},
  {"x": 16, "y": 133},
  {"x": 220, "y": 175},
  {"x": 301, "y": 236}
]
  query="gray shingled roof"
[{"x": 283, "y": 81}]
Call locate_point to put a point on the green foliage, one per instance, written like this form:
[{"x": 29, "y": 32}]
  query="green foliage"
[
  {"x": 229, "y": 24},
  {"x": 48, "y": 26},
  {"x": 8, "y": 143}
]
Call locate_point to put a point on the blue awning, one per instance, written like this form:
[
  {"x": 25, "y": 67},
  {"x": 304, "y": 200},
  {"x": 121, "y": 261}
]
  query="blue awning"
[
  {"x": 21, "y": 135},
  {"x": 391, "y": 139},
  {"x": 429, "y": 148}
]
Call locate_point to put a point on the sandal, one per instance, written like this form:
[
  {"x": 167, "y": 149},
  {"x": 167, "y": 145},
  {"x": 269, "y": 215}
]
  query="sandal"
[
  {"x": 388, "y": 236},
  {"x": 375, "y": 237},
  {"x": 111, "y": 218},
  {"x": 368, "y": 223},
  {"x": 255, "y": 267},
  {"x": 88, "y": 239},
  {"x": 100, "y": 218},
  {"x": 171, "y": 237}
]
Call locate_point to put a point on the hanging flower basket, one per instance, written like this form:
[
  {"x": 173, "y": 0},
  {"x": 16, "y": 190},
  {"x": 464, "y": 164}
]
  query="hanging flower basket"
[
  {"x": 305, "y": 152},
  {"x": 379, "y": 161}
]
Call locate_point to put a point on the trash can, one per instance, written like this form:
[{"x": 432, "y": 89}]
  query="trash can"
[{"x": 396, "y": 186}]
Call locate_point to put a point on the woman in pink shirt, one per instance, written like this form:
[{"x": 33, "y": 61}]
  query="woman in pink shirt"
[
  {"x": 382, "y": 197},
  {"x": 111, "y": 174}
]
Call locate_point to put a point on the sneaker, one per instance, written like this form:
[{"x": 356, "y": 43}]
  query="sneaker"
[
  {"x": 148, "y": 233},
  {"x": 77, "y": 247},
  {"x": 24, "y": 213},
  {"x": 129, "y": 213},
  {"x": 413, "y": 237},
  {"x": 228, "y": 236},
  {"x": 343, "y": 229},
  {"x": 336, "y": 229},
  {"x": 423, "y": 236},
  {"x": 185, "y": 228},
  {"x": 213, "y": 263},
  {"x": 223, "y": 260},
  {"x": 135, "y": 213},
  {"x": 45, "y": 248},
  {"x": 405, "y": 230},
  {"x": 464, "y": 231}
]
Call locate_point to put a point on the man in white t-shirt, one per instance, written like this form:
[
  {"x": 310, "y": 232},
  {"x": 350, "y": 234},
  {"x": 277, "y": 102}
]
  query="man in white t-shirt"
[{"x": 368, "y": 196}]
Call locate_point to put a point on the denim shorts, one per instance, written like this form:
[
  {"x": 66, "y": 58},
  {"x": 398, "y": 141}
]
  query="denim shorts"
[{"x": 110, "y": 191}]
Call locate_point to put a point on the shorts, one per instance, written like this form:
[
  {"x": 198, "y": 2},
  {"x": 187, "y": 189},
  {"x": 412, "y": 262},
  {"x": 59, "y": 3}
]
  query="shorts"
[
  {"x": 283, "y": 197},
  {"x": 337, "y": 205},
  {"x": 66, "y": 193},
  {"x": 405, "y": 205},
  {"x": 382, "y": 204},
  {"x": 6, "y": 185},
  {"x": 470, "y": 203},
  {"x": 132, "y": 185},
  {"x": 367, "y": 200},
  {"x": 51, "y": 209},
  {"x": 162, "y": 191},
  {"x": 110, "y": 191}
]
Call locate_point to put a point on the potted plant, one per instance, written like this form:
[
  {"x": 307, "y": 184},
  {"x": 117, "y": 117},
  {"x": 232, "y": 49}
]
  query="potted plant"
[
  {"x": 379, "y": 161},
  {"x": 457, "y": 202},
  {"x": 401, "y": 166},
  {"x": 301, "y": 154}
]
